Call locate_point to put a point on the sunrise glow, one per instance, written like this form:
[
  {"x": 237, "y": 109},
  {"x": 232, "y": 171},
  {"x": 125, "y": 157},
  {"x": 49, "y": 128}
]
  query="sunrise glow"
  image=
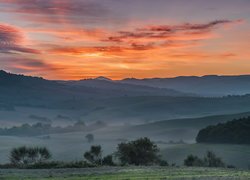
[{"x": 76, "y": 39}]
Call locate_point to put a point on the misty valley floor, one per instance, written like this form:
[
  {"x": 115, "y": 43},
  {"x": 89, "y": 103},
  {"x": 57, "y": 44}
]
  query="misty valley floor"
[{"x": 126, "y": 173}]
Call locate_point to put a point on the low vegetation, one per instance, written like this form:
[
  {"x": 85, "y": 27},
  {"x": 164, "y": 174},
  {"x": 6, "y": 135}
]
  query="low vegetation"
[
  {"x": 140, "y": 152},
  {"x": 128, "y": 173},
  {"x": 210, "y": 160},
  {"x": 231, "y": 132}
]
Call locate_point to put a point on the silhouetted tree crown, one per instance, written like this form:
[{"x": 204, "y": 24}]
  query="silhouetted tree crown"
[
  {"x": 29, "y": 155},
  {"x": 94, "y": 155},
  {"x": 139, "y": 152}
]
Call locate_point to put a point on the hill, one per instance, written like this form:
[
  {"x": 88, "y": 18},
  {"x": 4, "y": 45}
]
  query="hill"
[
  {"x": 210, "y": 85},
  {"x": 33, "y": 91},
  {"x": 232, "y": 132},
  {"x": 22, "y": 97},
  {"x": 185, "y": 129}
]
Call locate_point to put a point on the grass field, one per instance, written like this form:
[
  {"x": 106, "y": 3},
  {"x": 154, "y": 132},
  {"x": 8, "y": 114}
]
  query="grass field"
[
  {"x": 71, "y": 146},
  {"x": 126, "y": 173},
  {"x": 236, "y": 155}
]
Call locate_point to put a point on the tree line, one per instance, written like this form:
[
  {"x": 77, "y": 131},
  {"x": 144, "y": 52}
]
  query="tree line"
[
  {"x": 45, "y": 128},
  {"x": 231, "y": 132}
]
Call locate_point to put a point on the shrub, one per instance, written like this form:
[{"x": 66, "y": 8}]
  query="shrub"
[
  {"x": 108, "y": 160},
  {"x": 163, "y": 163},
  {"x": 192, "y": 160},
  {"x": 210, "y": 160}
]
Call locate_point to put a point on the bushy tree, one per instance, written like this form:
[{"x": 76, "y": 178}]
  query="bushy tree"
[
  {"x": 211, "y": 160},
  {"x": 139, "y": 152},
  {"x": 108, "y": 160},
  {"x": 19, "y": 156},
  {"x": 33, "y": 154},
  {"x": 94, "y": 155},
  {"x": 192, "y": 160},
  {"x": 29, "y": 155},
  {"x": 43, "y": 154}
]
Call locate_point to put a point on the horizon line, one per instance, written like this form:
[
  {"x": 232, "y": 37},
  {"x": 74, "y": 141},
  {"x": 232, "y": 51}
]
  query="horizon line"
[{"x": 146, "y": 78}]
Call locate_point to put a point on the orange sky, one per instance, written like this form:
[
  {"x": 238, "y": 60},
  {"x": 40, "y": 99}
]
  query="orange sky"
[{"x": 76, "y": 39}]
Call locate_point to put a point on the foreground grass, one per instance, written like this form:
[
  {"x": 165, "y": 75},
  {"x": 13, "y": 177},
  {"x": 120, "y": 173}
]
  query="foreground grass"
[{"x": 126, "y": 173}]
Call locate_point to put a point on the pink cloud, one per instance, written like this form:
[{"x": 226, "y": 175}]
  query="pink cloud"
[{"x": 11, "y": 40}]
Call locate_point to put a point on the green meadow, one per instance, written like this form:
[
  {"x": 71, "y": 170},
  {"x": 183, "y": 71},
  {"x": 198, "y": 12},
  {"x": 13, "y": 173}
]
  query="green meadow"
[{"x": 127, "y": 173}]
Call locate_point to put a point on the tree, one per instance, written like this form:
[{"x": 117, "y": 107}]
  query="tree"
[
  {"x": 139, "y": 152},
  {"x": 27, "y": 156},
  {"x": 94, "y": 156},
  {"x": 192, "y": 160},
  {"x": 33, "y": 154},
  {"x": 19, "y": 156},
  {"x": 90, "y": 138},
  {"x": 108, "y": 160},
  {"x": 44, "y": 154},
  {"x": 211, "y": 160}
]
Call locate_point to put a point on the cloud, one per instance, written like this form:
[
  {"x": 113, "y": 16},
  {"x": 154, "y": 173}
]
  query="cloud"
[
  {"x": 169, "y": 32},
  {"x": 148, "y": 38},
  {"x": 87, "y": 51},
  {"x": 59, "y": 11},
  {"x": 23, "y": 65},
  {"x": 11, "y": 39}
]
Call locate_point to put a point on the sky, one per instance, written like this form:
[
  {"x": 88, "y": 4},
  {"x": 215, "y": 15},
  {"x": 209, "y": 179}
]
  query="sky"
[{"x": 78, "y": 39}]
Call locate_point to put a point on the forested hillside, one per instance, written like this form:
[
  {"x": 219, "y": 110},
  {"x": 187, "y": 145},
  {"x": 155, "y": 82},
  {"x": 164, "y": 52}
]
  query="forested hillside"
[{"x": 232, "y": 132}]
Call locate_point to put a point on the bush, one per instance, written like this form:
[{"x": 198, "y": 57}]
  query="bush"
[
  {"x": 163, "y": 163},
  {"x": 210, "y": 160},
  {"x": 139, "y": 152},
  {"x": 193, "y": 161},
  {"x": 57, "y": 165},
  {"x": 108, "y": 160}
]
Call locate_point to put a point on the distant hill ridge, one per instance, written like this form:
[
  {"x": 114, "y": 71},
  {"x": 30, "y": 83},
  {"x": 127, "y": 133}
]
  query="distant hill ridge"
[
  {"x": 209, "y": 85},
  {"x": 29, "y": 91}
]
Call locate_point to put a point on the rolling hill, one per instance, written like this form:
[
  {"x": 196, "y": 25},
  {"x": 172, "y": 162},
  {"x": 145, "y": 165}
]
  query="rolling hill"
[
  {"x": 185, "y": 129},
  {"x": 105, "y": 100},
  {"x": 33, "y": 91}
]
